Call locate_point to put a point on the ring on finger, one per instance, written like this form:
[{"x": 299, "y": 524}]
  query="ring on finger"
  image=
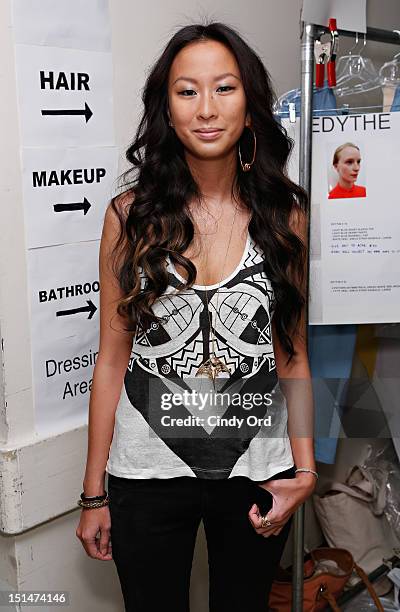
[{"x": 265, "y": 522}]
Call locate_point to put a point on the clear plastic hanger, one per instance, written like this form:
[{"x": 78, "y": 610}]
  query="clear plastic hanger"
[
  {"x": 389, "y": 73},
  {"x": 348, "y": 67},
  {"x": 285, "y": 103},
  {"x": 345, "y": 109},
  {"x": 343, "y": 64},
  {"x": 355, "y": 73}
]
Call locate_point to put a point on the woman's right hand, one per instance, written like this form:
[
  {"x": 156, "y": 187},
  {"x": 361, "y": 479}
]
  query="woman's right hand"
[{"x": 93, "y": 521}]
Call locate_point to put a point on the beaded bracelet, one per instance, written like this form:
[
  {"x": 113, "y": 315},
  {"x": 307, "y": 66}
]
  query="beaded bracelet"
[
  {"x": 93, "y": 504},
  {"x": 307, "y": 470},
  {"x": 93, "y": 498}
]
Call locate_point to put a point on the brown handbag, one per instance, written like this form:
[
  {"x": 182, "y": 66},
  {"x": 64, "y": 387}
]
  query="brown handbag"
[{"x": 320, "y": 589}]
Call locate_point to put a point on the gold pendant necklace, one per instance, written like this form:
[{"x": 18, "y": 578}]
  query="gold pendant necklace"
[{"x": 213, "y": 366}]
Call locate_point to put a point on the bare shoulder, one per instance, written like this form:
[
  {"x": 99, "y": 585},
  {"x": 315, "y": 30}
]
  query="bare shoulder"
[
  {"x": 118, "y": 208},
  {"x": 112, "y": 237},
  {"x": 124, "y": 201},
  {"x": 112, "y": 325},
  {"x": 115, "y": 216}
]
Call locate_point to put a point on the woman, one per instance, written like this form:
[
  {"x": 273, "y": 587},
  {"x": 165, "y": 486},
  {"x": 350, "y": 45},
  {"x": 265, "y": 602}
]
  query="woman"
[
  {"x": 347, "y": 161},
  {"x": 195, "y": 257}
]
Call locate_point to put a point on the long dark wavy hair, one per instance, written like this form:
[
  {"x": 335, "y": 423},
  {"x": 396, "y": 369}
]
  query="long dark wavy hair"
[{"x": 156, "y": 222}]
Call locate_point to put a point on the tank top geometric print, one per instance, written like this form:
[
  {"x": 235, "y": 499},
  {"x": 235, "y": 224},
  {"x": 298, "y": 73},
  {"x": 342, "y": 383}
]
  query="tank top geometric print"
[{"x": 170, "y": 422}]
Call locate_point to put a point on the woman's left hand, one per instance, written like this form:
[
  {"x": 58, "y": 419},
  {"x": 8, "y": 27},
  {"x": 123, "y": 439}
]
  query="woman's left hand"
[{"x": 288, "y": 494}]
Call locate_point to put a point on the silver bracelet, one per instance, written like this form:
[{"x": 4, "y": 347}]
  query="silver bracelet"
[{"x": 307, "y": 470}]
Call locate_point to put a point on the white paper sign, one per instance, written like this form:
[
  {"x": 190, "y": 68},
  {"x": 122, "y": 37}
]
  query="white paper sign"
[
  {"x": 65, "y": 96},
  {"x": 63, "y": 23},
  {"x": 360, "y": 216},
  {"x": 354, "y": 242},
  {"x": 66, "y": 192},
  {"x": 64, "y": 288},
  {"x": 63, "y": 373},
  {"x": 69, "y": 165},
  {"x": 64, "y": 302}
]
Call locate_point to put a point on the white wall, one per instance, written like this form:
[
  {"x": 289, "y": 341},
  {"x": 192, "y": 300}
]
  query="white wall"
[{"x": 47, "y": 553}]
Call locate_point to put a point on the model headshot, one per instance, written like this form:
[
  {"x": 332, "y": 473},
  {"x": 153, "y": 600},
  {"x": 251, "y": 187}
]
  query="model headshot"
[
  {"x": 202, "y": 278},
  {"x": 347, "y": 163}
]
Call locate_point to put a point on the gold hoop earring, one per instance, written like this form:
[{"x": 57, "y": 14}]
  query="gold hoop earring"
[{"x": 247, "y": 166}]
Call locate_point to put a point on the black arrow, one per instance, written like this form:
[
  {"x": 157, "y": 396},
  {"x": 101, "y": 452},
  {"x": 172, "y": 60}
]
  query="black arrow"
[
  {"x": 85, "y": 205},
  {"x": 86, "y": 111},
  {"x": 91, "y": 308}
]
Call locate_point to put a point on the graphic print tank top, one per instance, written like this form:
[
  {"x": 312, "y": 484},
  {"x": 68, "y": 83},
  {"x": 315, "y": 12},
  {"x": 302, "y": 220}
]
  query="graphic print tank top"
[{"x": 170, "y": 422}]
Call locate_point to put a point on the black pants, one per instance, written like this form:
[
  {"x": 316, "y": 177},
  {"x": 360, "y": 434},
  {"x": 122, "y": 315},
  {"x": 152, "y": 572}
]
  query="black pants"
[{"x": 154, "y": 523}]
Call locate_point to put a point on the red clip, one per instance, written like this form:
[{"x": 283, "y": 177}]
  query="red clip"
[
  {"x": 322, "y": 52},
  {"x": 331, "y": 67},
  {"x": 319, "y": 74},
  {"x": 326, "y": 53}
]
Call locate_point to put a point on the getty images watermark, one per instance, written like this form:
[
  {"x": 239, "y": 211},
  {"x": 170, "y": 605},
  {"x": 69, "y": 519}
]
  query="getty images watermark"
[
  {"x": 202, "y": 401},
  {"x": 197, "y": 413}
]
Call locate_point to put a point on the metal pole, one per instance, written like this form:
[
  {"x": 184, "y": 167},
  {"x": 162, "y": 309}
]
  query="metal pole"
[
  {"x": 391, "y": 37},
  {"x": 307, "y": 77}
]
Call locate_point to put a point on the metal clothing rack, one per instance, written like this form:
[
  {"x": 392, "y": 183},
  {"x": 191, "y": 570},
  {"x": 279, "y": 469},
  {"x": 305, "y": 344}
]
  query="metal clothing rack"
[{"x": 309, "y": 33}]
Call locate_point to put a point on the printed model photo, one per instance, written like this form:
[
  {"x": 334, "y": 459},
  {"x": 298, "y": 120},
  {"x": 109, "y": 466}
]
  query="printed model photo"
[{"x": 345, "y": 172}]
